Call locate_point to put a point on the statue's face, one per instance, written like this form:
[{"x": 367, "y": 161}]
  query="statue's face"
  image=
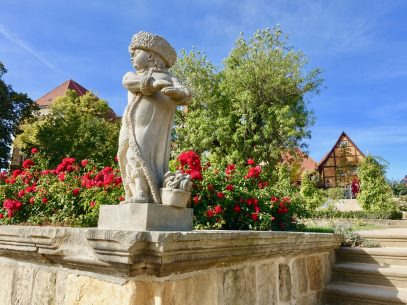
[{"x": 140, "y": 60}]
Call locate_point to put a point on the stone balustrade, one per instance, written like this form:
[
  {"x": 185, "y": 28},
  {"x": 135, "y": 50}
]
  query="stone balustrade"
[{"x": 72, "y": 266}]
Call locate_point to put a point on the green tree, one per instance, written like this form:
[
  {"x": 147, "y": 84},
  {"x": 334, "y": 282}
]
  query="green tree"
[
  {"x": 375, "y": 193},
  {"x": 255, "y": 107},
  {"x": 77, "y": 126},
  {"x": 312, "y": 196},
  {"x": 348, "y": 163},
  {"x": 14, "y": 107}
]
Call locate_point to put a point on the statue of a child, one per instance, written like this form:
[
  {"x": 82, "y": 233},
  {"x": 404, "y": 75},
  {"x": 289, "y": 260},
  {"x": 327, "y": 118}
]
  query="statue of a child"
[{"x": 145, "y": 135}]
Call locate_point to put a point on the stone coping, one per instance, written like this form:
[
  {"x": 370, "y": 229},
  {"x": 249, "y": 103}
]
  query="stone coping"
[{"x": 130, "y": 253}]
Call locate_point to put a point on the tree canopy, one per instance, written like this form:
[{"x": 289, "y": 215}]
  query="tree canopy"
[
  {"x": 375, "y": 193},
  {"x": 14, "y": 107},
  {"x": 77, "y": 126},
  {"x": 255, "y": 107}
]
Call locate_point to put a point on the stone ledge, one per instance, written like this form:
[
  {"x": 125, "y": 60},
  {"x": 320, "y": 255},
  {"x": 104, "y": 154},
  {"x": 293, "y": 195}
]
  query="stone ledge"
[{"x": 131, "y": 253}]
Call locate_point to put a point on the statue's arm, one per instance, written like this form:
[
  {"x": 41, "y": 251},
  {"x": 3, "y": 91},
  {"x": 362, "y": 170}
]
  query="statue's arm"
[
  {"x": 178, "y": 92},
  {"x": 132, "y": 82}
]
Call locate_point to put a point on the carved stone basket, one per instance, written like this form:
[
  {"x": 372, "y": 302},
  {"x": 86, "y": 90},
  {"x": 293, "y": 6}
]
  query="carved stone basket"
[{"x": 174, "y": 197}]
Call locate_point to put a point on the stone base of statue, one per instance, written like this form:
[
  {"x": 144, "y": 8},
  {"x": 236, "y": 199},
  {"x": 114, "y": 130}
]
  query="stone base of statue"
[{"x": 145, "y": 217}]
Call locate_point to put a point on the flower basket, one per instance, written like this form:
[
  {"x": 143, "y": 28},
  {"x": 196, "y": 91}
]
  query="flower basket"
[{"x": 174, "y": 197}]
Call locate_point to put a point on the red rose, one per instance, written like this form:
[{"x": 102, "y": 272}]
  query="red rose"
[
  {"x": 121, "y": 198},
  {"x": 32, "y": 200},
  {"x": 217, "y": 209},
  {"x": 44, "y": 199},
  {"x": 28, "y": 163},
  {"x": 76, "y": 191},
  {"x": 229, "y": 187},
  {"x": 251, "y": 162},
  {"x": 84, "y": 163},
  {"x": 92, "y": 204},
  {"x": 34, "y": 150},
  {"x": 255, "y": 216},
  {"x": 196, "y": 199},
  {"x": 210, "y": 213},
  {"x": 274, "y": 199},
  {"x": 220, "y": 195},
  {"x": 237, "y": 208},
  {"x": 1, "y": 215},
  {"x": 21, "y": 193},
  {"x": 61, "y": 176},
  {"x": 257, "y": 209}
]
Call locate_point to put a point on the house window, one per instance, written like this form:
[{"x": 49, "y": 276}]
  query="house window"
[{"x": 343, "y": 143}]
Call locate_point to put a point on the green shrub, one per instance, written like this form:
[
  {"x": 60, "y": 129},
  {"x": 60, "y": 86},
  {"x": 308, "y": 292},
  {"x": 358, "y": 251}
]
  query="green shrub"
[
  {"x": 392, "y": 214},
  {"x": 335, "y": 193},
  {"x": 312, "y": 196},
  {"x": 375, "y": 193}
]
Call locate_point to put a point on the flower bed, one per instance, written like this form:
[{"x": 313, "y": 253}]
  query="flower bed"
[
  {"x": 70, "y": 194},
  {"x": 235, "y": 198}
]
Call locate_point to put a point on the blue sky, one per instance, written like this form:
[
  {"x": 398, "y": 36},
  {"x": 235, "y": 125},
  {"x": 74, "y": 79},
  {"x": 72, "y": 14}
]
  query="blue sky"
[{"x": 360, "y": 45}]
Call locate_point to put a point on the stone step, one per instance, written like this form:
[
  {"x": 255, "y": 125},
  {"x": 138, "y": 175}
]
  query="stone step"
[
  {"x": 381, "y": 256},
  {"x": 371, "y": 274},
  {"x": 343, "y": 293},
  {"x": 392, "y": 237}
]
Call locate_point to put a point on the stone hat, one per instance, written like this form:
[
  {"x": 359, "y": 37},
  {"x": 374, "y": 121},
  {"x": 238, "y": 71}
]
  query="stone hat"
[{"x": 150, "y": 42}]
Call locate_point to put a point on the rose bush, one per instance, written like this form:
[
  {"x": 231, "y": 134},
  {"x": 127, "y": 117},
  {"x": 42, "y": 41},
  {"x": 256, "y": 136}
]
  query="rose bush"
[
  {"x": 236, "y": 198},
  {"x": 69, "y": 194},
  {"x": 232, "y": 198}
]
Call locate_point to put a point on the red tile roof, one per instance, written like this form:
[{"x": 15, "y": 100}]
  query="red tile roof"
[
  {"x": 307, "y": 163},
  {"x": 47, "y": 99}
]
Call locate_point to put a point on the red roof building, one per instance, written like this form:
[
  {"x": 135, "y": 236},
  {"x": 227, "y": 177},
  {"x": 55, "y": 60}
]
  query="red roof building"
[{"x": 45, "y": 101}]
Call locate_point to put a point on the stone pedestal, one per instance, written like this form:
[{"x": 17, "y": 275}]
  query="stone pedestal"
[{"x": 145, "y": 217}]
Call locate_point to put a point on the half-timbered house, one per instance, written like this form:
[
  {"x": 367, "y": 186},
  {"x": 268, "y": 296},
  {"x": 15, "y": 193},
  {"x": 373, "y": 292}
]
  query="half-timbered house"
[{"x": 339, "y": 166}]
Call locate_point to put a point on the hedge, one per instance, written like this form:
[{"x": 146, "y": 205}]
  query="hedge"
[{"x": 357, "y": 214}]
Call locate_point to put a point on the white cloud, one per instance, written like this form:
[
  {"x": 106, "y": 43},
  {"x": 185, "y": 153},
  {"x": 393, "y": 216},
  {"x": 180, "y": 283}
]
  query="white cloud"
[{"x": 26, "y": 47}]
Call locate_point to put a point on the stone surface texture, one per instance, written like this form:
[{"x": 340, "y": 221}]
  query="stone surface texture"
[
  {"x": 145, "y": 217},
  {"x": 72, "y": 266}
]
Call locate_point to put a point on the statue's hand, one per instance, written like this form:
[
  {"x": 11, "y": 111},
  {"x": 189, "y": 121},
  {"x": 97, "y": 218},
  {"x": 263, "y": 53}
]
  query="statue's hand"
[
  {"x": 160, "y": 84},
  {"x": 172, "y": 92}
]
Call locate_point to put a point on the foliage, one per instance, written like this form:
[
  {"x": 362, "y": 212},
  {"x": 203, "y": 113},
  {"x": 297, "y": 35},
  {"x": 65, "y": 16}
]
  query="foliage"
[
  {"x": 402, "y": 203},
  {"x": 313, "y": 196},
  {"x": 376, "y": 214},
  {"x": 237, "y": 197},
  {"x": 348, "y": 163},
  {"x": 398, "y": 188},
  {"x": 77, "y": 126},
  {"x": 335, "y": 193},
  {"x": 375, "y": 192},
  {"x": 350, "y": 238},
  {"x": 69, "y": 194},
  {"x": 14, "y": 107},
  {"x": 255, "y": 107}
]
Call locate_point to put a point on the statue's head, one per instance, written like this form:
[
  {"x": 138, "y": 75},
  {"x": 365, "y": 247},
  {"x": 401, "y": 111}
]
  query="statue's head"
[{"x": 155, "y": 48}]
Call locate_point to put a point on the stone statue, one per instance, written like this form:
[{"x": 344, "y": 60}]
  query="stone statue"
[{"x": 145, "y": 135}]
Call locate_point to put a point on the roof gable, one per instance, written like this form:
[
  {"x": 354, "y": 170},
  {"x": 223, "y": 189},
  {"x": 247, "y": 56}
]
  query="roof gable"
[
  {"x": 47, "y": 99},
  {"x": 342, "y": 136}
]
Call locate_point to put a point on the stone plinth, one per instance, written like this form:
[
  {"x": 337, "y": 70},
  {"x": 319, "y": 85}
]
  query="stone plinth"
[
  {"x": 84, "y": 266},
  {"x": 145, "y": 217}
]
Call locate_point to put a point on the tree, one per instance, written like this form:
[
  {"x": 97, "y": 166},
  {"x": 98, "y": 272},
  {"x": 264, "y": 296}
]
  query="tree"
[
  {"x": 312, "y": 196},
  {"x": 346, "y": 170},
  {"x": 77, "y": 126},
  {"x": 14, "y": 107},
  {"x": 255, "y": 107},
  {"x": 375, "y": 193}
]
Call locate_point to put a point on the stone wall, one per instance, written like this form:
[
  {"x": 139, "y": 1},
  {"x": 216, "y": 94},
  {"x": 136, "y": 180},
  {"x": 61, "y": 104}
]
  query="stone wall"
[{"x": 67, "y": 266}]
